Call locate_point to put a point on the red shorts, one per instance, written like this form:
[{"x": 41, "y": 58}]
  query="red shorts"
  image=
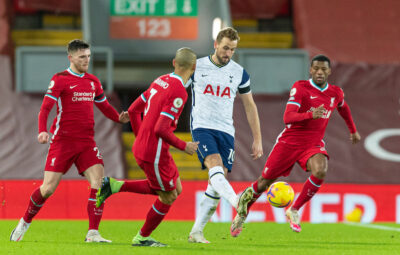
[
  {"x": 63, "y": 153},
  {"x": 161, "y": 176},
  {"x": 283, "y": 157}
]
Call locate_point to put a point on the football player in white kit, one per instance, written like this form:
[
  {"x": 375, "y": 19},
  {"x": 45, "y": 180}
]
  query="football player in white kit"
[{"x": 216, "y": 81}]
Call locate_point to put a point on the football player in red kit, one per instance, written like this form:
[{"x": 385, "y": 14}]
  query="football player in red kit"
[
  {"x": 74, "y": 91},
  {"x": 307, "y": 113},
  {"x": 161, "y": 105}
]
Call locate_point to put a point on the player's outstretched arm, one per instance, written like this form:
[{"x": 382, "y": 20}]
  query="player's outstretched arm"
[
  {"x": 254, "y": 123},
  {"x": 355, "y": 138},
  {"x": 191, "y": 147},
  {"x": 293, "y": 115},
  {"x": 345, "y": 113},
  {"x": 108, "y": 110},
  {"x": 124, "y": 117}
]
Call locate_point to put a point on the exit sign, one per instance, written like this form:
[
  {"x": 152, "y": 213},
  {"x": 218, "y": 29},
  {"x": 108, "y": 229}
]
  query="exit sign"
[{"x": 154, "y": 19}]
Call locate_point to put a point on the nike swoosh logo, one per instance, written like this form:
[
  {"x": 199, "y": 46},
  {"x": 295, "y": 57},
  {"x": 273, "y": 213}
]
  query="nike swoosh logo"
[
  {"x": 204, "y": 75},
  {"x": 71, "y": 87},
  {"x": 312, "y": 97}
]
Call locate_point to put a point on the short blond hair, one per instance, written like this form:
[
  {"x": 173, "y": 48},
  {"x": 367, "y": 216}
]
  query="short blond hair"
[
  {"x": 185, "y": 58},
  {"x": 228, "y": 32}
]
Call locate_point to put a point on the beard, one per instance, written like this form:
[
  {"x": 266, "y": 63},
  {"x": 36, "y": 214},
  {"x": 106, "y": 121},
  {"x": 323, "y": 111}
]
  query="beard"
[
  {"x": 82, "y": 69},
  {"x": 223, "y": 60}
]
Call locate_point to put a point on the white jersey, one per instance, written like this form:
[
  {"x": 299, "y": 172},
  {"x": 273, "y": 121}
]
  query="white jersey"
[{"x": 214, "y": 89}]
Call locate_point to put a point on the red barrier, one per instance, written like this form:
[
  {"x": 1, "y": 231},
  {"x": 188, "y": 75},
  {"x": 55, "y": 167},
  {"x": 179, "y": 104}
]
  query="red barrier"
[
  {"x": 349, "y": 31},
  {"x": 259, "y": 9},
  {"x": 56, "y": 6},
  {"x": 378, "y": 202}
]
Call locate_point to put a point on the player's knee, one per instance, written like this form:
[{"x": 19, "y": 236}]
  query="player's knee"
[
  {"x": 173, "y": 197},
  {"x": 213, "y": 160},
  {"x": 320, "y": 171},
  {"x": 169, "y": 198}
]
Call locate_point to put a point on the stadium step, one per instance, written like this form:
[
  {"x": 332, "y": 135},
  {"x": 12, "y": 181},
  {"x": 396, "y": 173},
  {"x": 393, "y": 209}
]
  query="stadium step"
[
  {"x": 50, "y": 21},
  {"x": 188, "y": 166},
  {"x": 44, "y": 37},
  {"x": 266, "y": 40},
  {"x": 245, "y": 25}
]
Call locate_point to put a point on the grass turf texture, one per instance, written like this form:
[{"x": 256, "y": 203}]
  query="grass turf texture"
[{"x": 67, "y": 237}]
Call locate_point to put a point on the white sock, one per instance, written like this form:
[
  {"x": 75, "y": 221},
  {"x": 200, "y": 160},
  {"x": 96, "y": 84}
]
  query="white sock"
[
  {"x": 207, "y": 208},
  {"x": 221, "y": 185}
]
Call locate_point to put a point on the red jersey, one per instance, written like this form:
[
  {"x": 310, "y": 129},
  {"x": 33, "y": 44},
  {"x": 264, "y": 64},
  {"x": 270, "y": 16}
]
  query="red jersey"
[
  {"x": 306, "y": 96},
  {"x": 74, "y": 94},
  {"x": 165, "y": 97}
]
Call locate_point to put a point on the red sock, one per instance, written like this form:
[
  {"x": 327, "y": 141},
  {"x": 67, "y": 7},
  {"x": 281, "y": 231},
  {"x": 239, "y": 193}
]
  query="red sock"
[
  {"x": 256, "y": 195},
  {"x": 94, "y": 213},
  {"x": 139, "y": 186},
  {"x": 310, "y": 188},
  {"x": 154, "y": 217},
  {"x": 36, "y": 202}
]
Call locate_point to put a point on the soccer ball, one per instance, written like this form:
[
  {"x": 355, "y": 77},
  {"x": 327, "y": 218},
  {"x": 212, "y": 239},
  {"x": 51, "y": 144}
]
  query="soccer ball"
[{"x": 280, "y": 194}]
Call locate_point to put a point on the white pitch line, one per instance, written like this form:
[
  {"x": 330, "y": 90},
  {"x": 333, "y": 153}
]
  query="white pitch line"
[{"x": 373, "y": 226}]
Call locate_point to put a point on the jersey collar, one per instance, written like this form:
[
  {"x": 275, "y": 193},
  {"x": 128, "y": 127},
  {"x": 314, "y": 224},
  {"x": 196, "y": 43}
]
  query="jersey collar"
[
  {"x": 75, "y": 74},
  {"x": 317, "y": 87},
  {"x": 177, "y": 77},
  {"x": 217, "y": 65}
]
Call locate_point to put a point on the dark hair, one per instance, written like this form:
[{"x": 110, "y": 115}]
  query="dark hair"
[
  {"x": 321, "y": 58},
  {"x": 76, "y": 45},
  {"x": 229, "y": 33}
]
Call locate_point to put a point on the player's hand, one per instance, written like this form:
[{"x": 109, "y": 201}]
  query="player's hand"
[
  {"x": 191, "y": 147},
  {"x": 355, "y": 138},
  {"x": 318, "y": 112},
  {"x": 124, "y": 117},
  {"x": 257, "y": 150},
  {"x": 43, "y": 137}
]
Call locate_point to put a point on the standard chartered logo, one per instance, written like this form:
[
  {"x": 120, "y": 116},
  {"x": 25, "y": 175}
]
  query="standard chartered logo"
[{"x": 372, "y": 144}]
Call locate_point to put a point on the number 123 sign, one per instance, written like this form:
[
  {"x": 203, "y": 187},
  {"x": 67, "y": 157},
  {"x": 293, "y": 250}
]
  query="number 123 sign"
[{"x": 154, "y": 19}]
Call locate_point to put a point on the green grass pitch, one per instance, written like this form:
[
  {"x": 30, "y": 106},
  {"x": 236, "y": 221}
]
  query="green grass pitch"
[{"x": 67, "y": 237}]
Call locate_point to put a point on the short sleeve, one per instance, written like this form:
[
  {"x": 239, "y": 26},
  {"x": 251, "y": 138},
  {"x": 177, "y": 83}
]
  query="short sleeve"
[
  {"x": 295, "y": 95},
  {"x": 244, "y": 86}
]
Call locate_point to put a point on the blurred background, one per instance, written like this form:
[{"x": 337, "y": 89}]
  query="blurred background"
[{"x": 134, "y": 41}]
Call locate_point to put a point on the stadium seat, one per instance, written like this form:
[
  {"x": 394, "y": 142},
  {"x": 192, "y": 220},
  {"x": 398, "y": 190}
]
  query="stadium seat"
[
  {"x": 44, "y": 37},
  {"x": 266, "y": 40},
  {"x": 245, "y": 25},
  {"x": 260, "y": 9},
  {"x": 50, "y": 21}
]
